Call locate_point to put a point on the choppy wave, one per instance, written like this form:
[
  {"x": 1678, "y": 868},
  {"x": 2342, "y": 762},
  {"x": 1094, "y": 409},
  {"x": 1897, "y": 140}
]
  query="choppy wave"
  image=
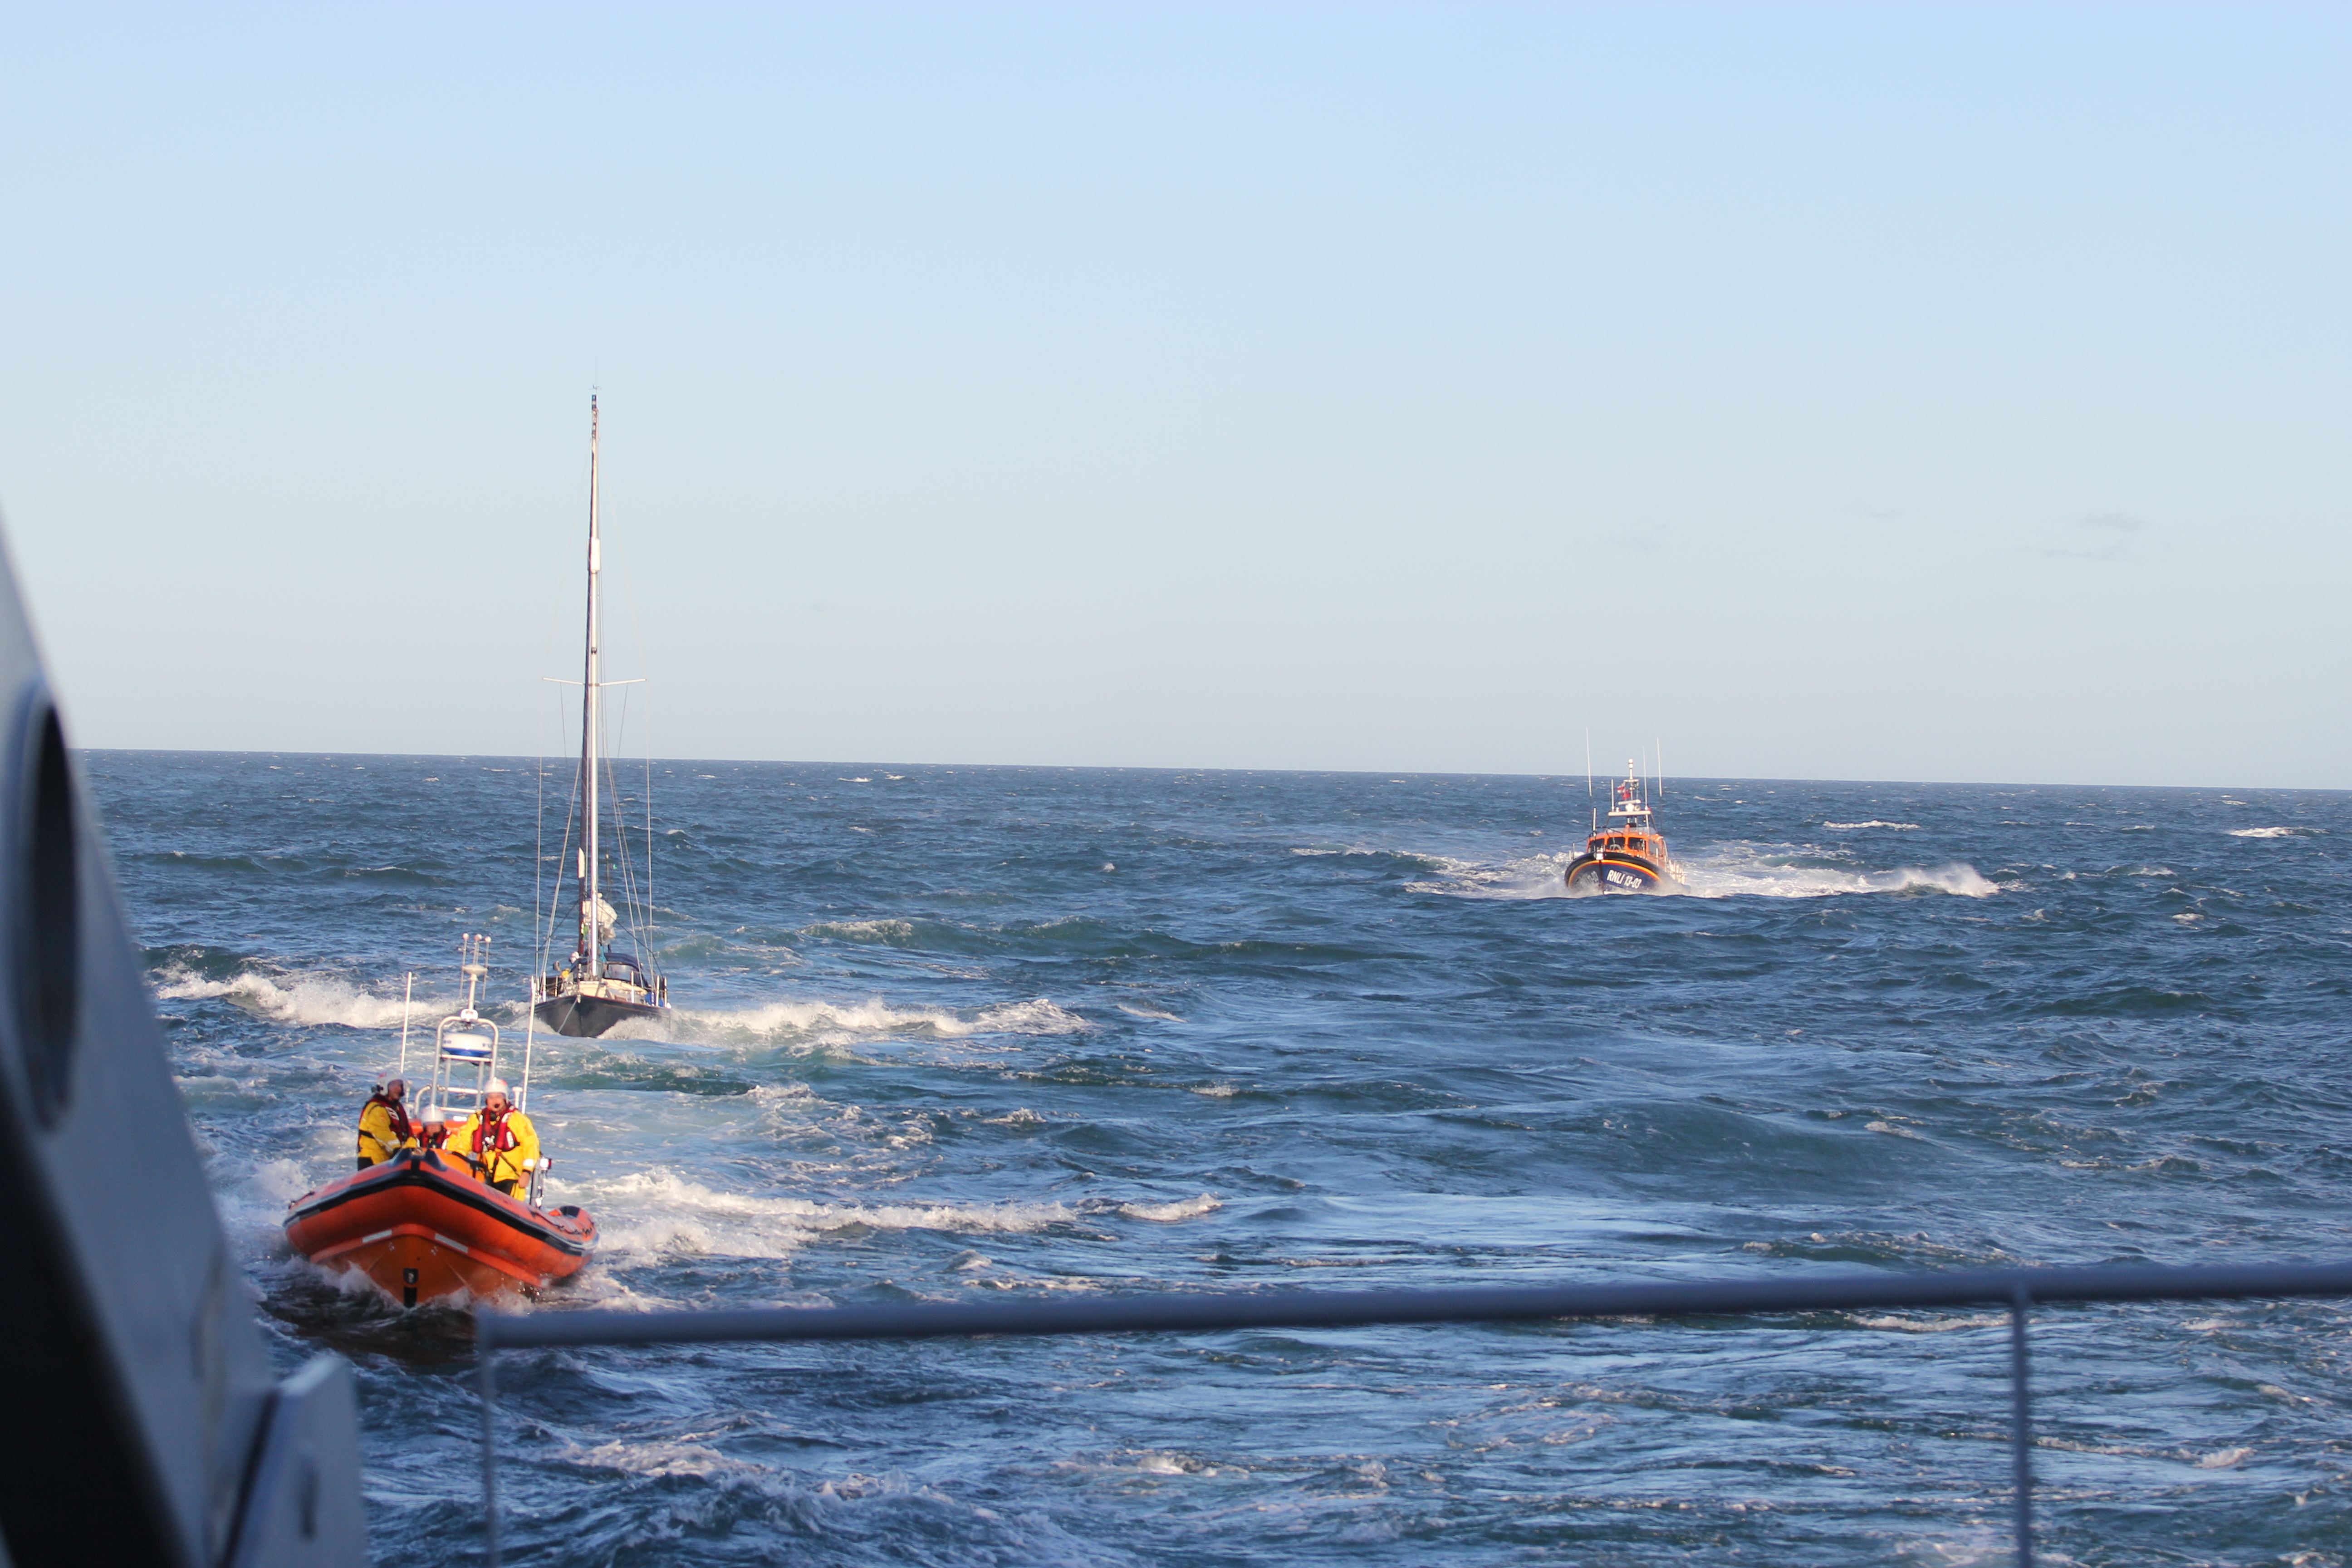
[
  {"x": 1185, "y": 1208},
  {"x": 319, "y": 999},
  {"x": 1915, "y": 1325},
  {"x": 797, "y": 1023},
  {"x": 896, "y": 933},
  {"x": 668, "y": 1493},
  {"x": 1897, "y": 827},
  {"x": 2276, "y": 832},
  {"x": 311, "y": 999}
]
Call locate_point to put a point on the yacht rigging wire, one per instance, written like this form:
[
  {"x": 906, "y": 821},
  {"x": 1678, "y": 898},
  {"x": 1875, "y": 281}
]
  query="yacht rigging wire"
[
  {"x": 570, "y": 813},
  {"x": 631, "y": 904},
  {"x": 537, "y": 900},
  {"x": 407, "y": 998},
  {"x": 645, "y": 950}
]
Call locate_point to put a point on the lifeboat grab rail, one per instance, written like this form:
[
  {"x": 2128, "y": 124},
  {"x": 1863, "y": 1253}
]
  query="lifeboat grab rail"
[{"x": 2018, "y": 1289}]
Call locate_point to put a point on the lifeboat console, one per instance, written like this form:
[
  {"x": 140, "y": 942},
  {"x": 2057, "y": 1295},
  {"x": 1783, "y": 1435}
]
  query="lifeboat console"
[
  {"x": 421, "y": 1224},
  {"x": 1629, "y": 855}
]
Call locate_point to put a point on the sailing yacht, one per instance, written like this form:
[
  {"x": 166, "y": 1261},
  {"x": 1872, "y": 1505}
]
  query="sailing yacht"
[{"x": 599, "y": 986}]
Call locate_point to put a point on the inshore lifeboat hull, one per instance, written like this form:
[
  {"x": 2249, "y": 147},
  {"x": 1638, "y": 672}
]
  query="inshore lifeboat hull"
[
  {"x": 585, "y": 1017},
  {"x": 1618, "y": 873},
  {"x": 422, "y": 1229}
]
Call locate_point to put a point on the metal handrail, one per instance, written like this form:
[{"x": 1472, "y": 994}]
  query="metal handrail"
[{"x": 1202, "y": 1311}]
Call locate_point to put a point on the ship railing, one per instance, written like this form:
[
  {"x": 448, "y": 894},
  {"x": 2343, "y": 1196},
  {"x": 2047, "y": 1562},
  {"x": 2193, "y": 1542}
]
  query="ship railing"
[{"x": 2017, "y": 1290}]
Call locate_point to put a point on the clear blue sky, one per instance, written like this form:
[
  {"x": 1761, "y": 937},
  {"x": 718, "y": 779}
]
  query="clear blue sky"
[{"x": 1884, "y": 391}]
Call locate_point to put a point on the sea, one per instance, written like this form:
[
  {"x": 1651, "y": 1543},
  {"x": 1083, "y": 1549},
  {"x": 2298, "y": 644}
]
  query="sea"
[{"x": 952, "y": 1034}]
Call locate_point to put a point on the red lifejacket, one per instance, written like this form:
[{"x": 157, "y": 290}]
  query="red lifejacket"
[
  {"x": 401, "y": 1133},
  {"x": 501, "y": 1140}
]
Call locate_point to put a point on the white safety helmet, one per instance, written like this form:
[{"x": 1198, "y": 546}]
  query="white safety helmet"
[{"x": 496, "y": 1085}]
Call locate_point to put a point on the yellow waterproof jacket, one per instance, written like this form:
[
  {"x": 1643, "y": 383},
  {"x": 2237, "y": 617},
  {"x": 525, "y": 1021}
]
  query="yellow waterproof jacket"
[
  {"x": 381, "y": 1135},
  {"x": 506, "y": 1156}
]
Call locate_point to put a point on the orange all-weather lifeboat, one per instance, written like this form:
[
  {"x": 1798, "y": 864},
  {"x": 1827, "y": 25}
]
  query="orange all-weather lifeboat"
[
  {"x": 421, "y": 1224},
  {"x": 1629, "y": 855}
]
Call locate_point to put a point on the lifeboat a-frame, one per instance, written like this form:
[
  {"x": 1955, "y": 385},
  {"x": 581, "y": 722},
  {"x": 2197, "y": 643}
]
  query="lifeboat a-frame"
[
  {"x": 1629, "y": 855},
  {"x": 421, "y": 1224}
]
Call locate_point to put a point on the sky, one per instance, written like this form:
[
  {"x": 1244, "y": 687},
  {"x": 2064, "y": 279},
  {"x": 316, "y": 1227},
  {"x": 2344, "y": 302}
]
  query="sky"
[{"x": 1930, "y": 391}]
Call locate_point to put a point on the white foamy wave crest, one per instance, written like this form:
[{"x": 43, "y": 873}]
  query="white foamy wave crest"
[
  {"x": 1536, "y": 877},
  {"x": 659, "y": 1213},
  {"x": 818, "y": 1023},
  {"x": 1928, "y": 1325},
  {"x": 661, "y": 1459},
  {"x": 1733, "y": 875},
  {"x": 865, "y": 931},
  {"x": 297, "y": 998},
  {"x": 1184, "y": 1208},
  {"x": 253, "y": 1199},
  {"x": 1037, "y": 1017},
  {"x": 1897, "y": 827},
  {"x": 2274, "y": 832}
]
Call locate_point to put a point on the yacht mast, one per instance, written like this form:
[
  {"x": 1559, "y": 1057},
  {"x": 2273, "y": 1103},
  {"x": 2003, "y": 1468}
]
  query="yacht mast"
[{"x": 591, "y": 928}]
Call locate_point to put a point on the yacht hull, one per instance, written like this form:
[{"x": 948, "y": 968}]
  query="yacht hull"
[
  {"x": 585, "y": 1017},
  {"x": 421, "y": 1229}
]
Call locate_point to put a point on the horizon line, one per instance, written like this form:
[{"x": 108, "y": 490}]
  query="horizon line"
[{"x": 1159, "y": 768}]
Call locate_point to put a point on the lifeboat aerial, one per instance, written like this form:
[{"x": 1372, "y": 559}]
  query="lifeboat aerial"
[
  {"x": 1629, "y": 855},
  {"x": 422, "y": 1224}
]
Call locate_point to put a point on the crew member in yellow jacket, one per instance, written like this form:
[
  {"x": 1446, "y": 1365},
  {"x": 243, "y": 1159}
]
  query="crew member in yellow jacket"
[
  {"x": 497, "y": 1140},
  {"x": 384, "y": 1129}
]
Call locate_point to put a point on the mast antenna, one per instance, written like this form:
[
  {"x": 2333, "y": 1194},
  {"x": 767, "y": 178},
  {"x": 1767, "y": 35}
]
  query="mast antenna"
[{"x": 1588, "y": 779}]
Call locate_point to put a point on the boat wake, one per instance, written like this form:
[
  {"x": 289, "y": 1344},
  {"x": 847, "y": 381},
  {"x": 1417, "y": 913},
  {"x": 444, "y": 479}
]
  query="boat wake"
[
  {"x": 313, "y": 1000},
  {"x": 815, "y": 1024},
  {"x": 1787, "y": 872},
  {"x": 1733, "y": 872},
  {"x": 656, "y": 1214}
]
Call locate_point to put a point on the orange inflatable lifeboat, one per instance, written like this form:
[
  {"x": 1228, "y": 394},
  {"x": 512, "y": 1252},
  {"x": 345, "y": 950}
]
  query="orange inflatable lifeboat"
[{"x": 422, "y": 1227}]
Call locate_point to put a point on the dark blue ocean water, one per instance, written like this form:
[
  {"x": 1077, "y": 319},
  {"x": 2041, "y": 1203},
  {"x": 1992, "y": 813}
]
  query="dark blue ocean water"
[{"x": 948, "y": 1033}]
